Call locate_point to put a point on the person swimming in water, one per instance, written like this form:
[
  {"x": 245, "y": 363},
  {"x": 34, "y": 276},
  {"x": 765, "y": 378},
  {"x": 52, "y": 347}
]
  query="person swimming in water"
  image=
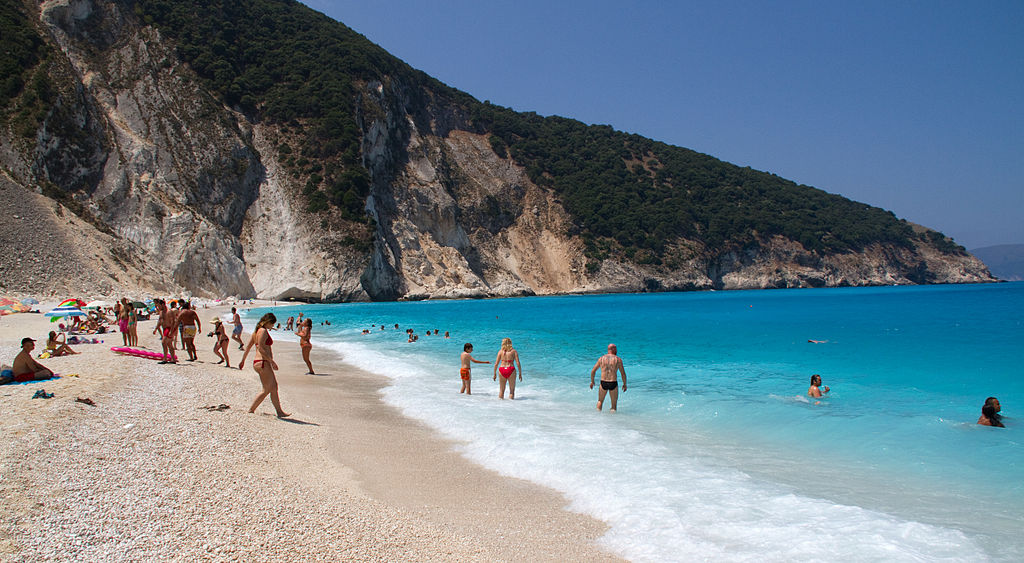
[
  {"x": 990, "y": 413},
  {"x": 816, "y": 389},
  {"x": 503, "y": 364}
]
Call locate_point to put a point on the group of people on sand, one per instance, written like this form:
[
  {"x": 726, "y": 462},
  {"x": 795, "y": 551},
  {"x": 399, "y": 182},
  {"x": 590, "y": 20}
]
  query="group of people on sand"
[
  {"x": 260, "y": 343},
  {"x": 508, "y": 366}
]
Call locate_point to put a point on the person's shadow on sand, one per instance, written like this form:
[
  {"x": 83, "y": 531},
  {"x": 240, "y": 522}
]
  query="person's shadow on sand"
[{"x": 292, "y": 420}]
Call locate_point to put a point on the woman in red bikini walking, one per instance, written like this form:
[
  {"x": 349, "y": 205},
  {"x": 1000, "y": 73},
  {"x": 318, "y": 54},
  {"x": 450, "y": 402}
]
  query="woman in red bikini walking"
[
  {"x": 264, "y": 364},
  {"x": 503, "y": 365}
]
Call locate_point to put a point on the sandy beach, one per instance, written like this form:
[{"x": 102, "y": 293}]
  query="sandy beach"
[{"x": 148, "y": 473}]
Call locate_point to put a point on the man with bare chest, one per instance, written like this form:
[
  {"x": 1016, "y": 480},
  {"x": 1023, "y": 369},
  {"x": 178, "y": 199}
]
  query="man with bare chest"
[
  {"x": 611, "y": 366},
  {"x": 166, "y": 325}
]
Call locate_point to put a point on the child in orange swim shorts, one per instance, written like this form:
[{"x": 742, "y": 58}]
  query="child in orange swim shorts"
[{"x": 466, "y": 358}]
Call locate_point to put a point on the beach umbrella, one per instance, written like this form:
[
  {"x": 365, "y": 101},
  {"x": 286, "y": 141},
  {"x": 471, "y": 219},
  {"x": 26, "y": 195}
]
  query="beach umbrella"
[
  {"x": 73, "y": 302},
  {"x": 28, "y": 302},
  {"x": 138, "y": 304},
  {"x": 64, "y": 311},
  {"x": 9, "y": 306},
  {"x": 96, "y": 304}
]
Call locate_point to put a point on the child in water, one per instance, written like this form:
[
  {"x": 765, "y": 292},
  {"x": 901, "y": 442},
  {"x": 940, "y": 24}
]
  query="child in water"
[{"x": 465, "y": 359}]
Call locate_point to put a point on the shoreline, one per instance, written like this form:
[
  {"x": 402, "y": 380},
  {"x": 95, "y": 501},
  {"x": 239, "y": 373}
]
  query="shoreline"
[{"x": 147, "y": 473}]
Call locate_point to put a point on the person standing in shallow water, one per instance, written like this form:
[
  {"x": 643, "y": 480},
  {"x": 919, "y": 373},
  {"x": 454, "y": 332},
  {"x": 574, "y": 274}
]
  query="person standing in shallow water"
[
  {"x": 304, "y": 332},
  {"x": 611, "y": 366},
  {"x": 466, "y": 361},
  {"x": 507, "y": 364}
]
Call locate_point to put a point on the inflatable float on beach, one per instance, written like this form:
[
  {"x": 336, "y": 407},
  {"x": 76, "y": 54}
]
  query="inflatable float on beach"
[{"x": 138, "y": 352}]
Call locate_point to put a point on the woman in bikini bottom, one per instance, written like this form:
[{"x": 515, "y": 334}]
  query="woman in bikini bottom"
[
  {"x": 507, "y": 364},
  {"x": 265, "y": 365}
]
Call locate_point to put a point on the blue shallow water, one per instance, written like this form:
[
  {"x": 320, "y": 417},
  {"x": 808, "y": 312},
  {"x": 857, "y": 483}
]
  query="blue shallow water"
[{"x": 716, "y": 452}]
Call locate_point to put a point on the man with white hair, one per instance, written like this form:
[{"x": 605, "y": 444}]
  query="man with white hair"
[{"x": 611, "y": 365}]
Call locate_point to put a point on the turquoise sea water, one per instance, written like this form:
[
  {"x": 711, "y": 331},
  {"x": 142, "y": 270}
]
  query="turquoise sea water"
[{"x": 716, "y": 453}]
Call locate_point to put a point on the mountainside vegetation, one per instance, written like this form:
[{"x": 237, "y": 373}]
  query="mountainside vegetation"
[
  {"x": 282, "y": 62},
  {"x": 25, "y": 92}
]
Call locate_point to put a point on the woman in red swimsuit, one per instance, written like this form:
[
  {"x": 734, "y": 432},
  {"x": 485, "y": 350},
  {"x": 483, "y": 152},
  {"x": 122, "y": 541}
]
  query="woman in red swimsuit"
[
  {"x": 264, "y": 364},
  {"x": 507, "y": 356}
]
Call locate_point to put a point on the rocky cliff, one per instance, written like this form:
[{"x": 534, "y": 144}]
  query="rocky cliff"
[{"x": 173, "y": 190}]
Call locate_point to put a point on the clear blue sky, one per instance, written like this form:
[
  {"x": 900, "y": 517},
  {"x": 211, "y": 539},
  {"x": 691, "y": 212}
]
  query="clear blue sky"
[{"x": 913, "y": 106}]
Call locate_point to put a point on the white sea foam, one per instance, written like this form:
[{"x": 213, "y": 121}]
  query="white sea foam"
[{"x": 664, "y": 501}]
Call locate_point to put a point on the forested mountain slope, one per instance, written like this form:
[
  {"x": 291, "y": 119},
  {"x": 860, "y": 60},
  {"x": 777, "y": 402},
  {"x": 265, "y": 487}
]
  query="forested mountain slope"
[{"x": 259, "y": 147}]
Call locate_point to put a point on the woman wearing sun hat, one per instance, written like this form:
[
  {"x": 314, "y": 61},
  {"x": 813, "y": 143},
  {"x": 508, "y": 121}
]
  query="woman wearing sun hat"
[{"x": 220, "y": 347}]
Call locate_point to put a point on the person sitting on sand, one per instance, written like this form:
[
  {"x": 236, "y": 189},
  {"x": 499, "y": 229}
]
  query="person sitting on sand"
[
  {"x": 466, "y": 360},
  {"x": 25, "y": 368},
  {"x": 816, "y": 388},
  {"x": 990, "y": 413},
  {"x": 58, "y": 346}
]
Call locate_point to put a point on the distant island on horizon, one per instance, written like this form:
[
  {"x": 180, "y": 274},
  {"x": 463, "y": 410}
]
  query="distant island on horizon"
[{"x": 1005, "y": 261}]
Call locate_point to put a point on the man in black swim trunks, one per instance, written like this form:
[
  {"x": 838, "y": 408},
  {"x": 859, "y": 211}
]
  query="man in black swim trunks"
[{"x": 611, "y": 365}]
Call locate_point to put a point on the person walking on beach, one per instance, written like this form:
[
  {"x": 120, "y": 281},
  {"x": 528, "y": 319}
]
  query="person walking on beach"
[
  {"x": 25, "y": 367},
  {"x": 466, "y": 360},
  {"x": 236, "y": 333},
  {"x": 188, "y": 320},
  {"x": 304, "y": 332},
  {"x": 166, "y": 323},
  {"x": 611, "y": 366},
  {"x": 503, "y": 365},
  {"x": 220, "y": 347},
  {"x": 264, "y": 365}
]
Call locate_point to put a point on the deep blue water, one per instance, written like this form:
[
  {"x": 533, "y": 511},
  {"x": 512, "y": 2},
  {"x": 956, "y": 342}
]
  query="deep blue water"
[{"x": 716, "y": 452}]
